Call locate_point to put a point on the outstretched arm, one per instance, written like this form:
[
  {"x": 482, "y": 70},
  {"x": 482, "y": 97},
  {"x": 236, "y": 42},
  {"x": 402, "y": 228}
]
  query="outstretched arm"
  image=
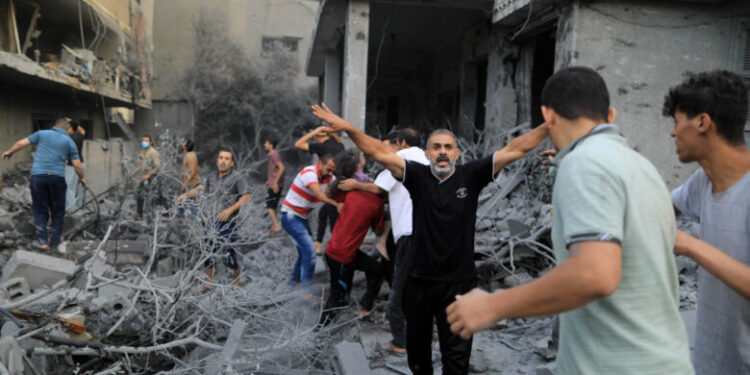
[
  {"x": 369, "y": 145},
  {"x": 352, "y": 184},
  {"x": 727, "y": 269},
  {"x": 21, "y": 143},
  {"x": 519, "y": 146},
  {"x": 592, "y": 272}
]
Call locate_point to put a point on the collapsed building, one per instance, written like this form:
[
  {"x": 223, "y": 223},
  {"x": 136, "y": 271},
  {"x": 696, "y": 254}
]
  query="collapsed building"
[
  {"x": 478, "y": 66},
  {"x": 87, "y": 60}
]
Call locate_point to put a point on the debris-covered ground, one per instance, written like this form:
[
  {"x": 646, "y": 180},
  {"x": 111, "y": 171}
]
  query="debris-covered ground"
[{"x": 123, "y": 296}]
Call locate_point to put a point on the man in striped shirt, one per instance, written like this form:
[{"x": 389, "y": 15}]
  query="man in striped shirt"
[{"x": 306, "y": 191}]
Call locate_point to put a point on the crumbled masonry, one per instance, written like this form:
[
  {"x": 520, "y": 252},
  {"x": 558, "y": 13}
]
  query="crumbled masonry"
[{"x": 123, "y": 297}]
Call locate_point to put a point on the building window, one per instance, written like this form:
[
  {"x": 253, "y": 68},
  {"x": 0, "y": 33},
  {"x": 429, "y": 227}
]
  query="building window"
[{"x": 280, "y": 44}]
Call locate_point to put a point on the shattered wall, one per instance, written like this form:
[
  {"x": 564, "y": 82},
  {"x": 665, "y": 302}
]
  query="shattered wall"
[
  {"x": 246, "y": 22},
  {"x": 643, "y": 48},
  {"x": 20, "y": 106}
]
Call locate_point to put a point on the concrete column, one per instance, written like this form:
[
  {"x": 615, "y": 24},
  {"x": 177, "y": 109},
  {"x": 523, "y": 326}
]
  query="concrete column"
[
  {"x": 355, "y": 62},
  {"x": 332, "y": 81},
  {"x": 467, "y": 107},
  {"x": 501, "y": 107}
]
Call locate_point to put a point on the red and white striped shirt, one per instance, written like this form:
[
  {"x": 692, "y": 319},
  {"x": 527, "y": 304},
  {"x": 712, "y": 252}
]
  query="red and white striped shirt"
[{"x": 300, "y": 200}]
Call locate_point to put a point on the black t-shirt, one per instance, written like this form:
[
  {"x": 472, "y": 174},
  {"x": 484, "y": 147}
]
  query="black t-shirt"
[
  {"x": 78, "y": 140},
  {"x": 443, "y": 218},
  {"x": 330, "y": 146}
]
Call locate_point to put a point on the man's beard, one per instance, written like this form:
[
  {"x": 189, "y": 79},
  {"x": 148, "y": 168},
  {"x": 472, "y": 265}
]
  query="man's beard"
[{"x": 442, "y": 171}]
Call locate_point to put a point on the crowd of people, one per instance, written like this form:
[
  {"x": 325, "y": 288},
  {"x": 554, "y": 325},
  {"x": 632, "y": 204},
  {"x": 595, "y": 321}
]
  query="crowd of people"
[{"x": 615, "y": 285}]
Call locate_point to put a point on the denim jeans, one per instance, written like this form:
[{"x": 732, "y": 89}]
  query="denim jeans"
[
  {"x": 48, "y": 200},
  {"x": 304, "y": 268},
  {"x": 189, "y": 204}
]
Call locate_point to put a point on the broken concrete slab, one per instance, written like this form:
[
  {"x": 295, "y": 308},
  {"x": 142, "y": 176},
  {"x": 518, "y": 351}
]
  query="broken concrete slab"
[
  {"x": 15, "y": 288},
  {"x": 518, "y": 229},
  {"x": 350, "y": 358},
  {"x": 37, "y": 269},
  {"x": 127, "y": 252},
  {"x": 11, "y": 354}
]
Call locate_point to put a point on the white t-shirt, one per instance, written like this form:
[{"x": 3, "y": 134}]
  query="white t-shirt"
[{"x": 398, "y": 197}]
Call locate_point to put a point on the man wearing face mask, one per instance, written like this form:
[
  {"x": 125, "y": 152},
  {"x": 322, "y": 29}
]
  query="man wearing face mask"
[
  {"x": 444, "y": 197},
  {"x": 147, "y": 170}
]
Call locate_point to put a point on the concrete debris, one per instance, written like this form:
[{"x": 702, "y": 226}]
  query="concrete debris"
[
  {"x": 15, "y": 288},
  {"x": 351, "y": 359},
  {"x": 128, "y": 296},
  {"x": 38, "y": 269}
]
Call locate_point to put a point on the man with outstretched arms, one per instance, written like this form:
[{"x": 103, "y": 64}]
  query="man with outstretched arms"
[{"x": 444, "y": 197}]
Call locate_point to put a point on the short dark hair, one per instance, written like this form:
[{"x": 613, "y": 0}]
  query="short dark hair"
[
  {"x": 324, "y": 158},
  {"x": 149, "y": 138},
  {"x": 410, "y": 136},
  {"x": 576, "y": 92},
  {"x": 189, "y": 146},
  {"x": 273, "y": 141},
  {"x": 393, "y": 136},
  {"x": 442, "y": 131},
  {"x": 347, "y": 162},
  {"x": 63, "y": 123},
  {"x": 719, "y": 93},
  {"x": 226, "y": 149}
]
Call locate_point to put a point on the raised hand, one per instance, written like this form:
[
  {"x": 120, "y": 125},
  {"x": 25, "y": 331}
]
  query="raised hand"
[{"x": 335, "y": 122}]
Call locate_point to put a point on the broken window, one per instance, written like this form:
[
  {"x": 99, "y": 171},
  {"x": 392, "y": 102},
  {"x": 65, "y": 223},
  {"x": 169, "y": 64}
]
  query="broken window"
[{"x": 42, "y": 121}]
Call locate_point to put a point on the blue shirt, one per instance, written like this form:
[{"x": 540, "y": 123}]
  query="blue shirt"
[{"x": 54, "y": 148}]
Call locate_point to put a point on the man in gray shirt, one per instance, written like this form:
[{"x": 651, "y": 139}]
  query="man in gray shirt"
[
  {"x": 709, "y": 111},
  {"x": 226, "y": 193}
]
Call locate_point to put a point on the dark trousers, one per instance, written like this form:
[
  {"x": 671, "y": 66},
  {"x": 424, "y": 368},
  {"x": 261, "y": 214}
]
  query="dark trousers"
[
  {"x": 224, "y": 239},
  {"x": 145, "y": 191},
  {"x": 326, "y": 214},
  {"x": 48, "y": 200},
  {"x": 341, "y": 283},
  {"x": 423, "y": 301},
  {"x": 396, "y": 318}
]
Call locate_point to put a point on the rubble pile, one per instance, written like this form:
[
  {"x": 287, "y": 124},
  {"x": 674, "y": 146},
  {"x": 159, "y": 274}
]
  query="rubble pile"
[{"x": 124, "y": 296}]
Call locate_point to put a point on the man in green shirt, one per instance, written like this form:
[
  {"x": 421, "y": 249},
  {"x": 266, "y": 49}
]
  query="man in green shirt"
[{"x": 613, "y": 232}]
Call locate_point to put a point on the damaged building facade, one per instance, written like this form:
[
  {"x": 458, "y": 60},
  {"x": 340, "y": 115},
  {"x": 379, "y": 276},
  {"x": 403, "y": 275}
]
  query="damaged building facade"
[
  {"x": 478, "y": 66},
  {"x": 260, "y": 27},
  {"x": 88, "y": 60}
]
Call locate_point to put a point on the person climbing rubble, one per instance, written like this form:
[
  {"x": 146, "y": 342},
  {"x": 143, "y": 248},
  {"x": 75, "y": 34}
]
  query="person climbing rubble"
[
  {"x": 190, "y": 177},
  {"x": 320, "y": 142},
  {"x": 303, "y": 195},
  {"x": 444, "y": 214},
  {"x": 274, "y": 182},
  {"x": 75, "y": 193},
  {"x": 400, "y": 206},
  {"x": 361, "y": 211},
  {"x": 147, "y": 172},
  {"x": 226, "y": 192},
  {"x": 47, "y": 184}
]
